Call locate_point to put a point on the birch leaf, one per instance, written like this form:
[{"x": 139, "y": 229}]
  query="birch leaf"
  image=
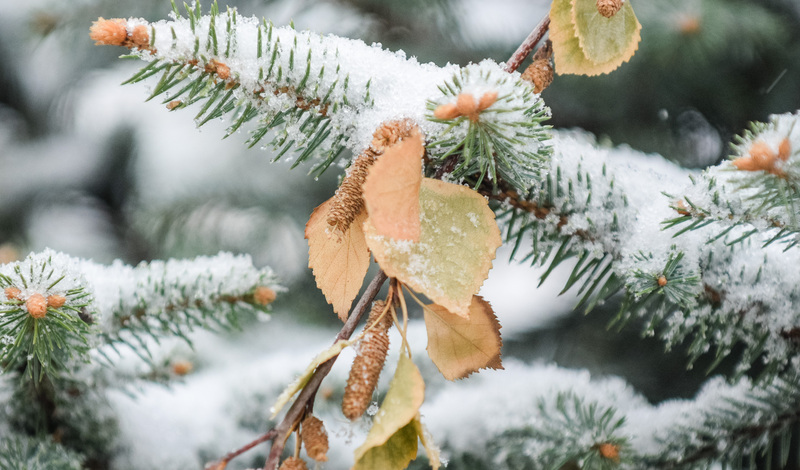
[
  {"x": 339, "y": 264},
  {"x": 604, "y": 40},
  {"x": 395, "y": 454},
  {"x": 568, "y": 47},
  {"x": 458, "y": 240},
  {"x": 399, "y": 408},
  {"x": 460, "y": 346},
  {"x": 391, "y": 190}
]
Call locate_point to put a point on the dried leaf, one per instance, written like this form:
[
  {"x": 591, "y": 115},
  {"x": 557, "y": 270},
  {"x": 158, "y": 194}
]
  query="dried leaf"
[
  {"x": 392, "y": 441},
  {"x": 339, "y": 263},
  {"x": 391, "y": 190},
  {"x": 458, "y": 240},
  {"x": 599, "y": 48},
  {"x": 460, "y": 346}
]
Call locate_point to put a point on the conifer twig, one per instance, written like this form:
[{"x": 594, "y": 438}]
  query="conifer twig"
[{"x": 527, "y": 46}]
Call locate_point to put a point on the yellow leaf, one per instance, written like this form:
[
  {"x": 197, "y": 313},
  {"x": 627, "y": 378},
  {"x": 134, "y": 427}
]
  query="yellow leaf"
[
  {"x": 399, "y": 408},
  {"x": 391, "y": 190},
  {"x": 460, "y": 346},
  {"x": 303, "y": 379},
  {"x": 610, "y": 41},
  {"x": 339, "y": 264},
  {"x": 458, "y": 240},
  {"x": 608, "y": 46}
]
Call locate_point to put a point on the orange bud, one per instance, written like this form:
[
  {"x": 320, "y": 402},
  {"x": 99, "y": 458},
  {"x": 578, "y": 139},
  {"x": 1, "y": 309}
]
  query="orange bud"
[
  {"x": 315, "y": 438},
  {"x": 662, "y": 281},
  {"x": 56, "y": 301},
  {"x": 466, "y": 106},
  {"x": 446, "y": 111},
  {"x": 487, "y": 100},
  {"x": 112, "y": 32},
  {"x": 608, "y": 451},
  {"x": 182, "y": 367},
  {"x": 140, "y": 37},
  {"x": 12, "y": 293},
  {"x": 37, "y": 306},
  {"x": 264, "y": 295}
]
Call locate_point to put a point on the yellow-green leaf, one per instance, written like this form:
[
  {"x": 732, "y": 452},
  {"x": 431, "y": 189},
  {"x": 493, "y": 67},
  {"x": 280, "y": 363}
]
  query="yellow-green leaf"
[
  {"x": 604, "y": 40},
  {"x": 460, "y": 346},
  {"x": 399, "y": 407},
  {"x": 458, "y": 241},
  {"x": 303, "y": 379},
  {"x": 570, "y": 57},
  {"x": 339, "y": 264},
  {"x": 395, "y": 454}
]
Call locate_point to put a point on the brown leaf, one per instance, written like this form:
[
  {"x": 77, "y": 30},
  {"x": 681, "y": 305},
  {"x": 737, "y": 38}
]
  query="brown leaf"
[
  {"x": 460, "y": 346},
  {"x": 391, "y": 190},
  {"x": 339, "y": 263}
]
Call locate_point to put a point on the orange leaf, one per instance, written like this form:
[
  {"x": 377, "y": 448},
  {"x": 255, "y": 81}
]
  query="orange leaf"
[
  {"x": 460, "y": 346},
  {"x": 339, "y": 263},
  {"x": 458, "y": 241},
  {"x": 391, "y": 190}
]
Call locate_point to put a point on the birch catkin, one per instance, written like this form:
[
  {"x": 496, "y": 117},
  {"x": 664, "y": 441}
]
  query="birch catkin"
[
  {"x": 315, "y": 438},
  {"x": 347, "y": 202},
  {"x": 293, "y": 463},
  {"x": 368, "y": 364}
]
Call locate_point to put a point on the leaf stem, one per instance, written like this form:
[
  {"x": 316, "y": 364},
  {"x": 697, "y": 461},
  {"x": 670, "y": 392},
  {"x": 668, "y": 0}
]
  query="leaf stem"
[{"x": 527, "y": 46}]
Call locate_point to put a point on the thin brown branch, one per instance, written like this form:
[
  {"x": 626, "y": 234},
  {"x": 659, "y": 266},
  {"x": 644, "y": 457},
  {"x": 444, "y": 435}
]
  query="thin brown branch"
[
  {"x": 527, "y": 46},
  {"x": 306, "y": 396},
  {"x": 223, "y": 462}
]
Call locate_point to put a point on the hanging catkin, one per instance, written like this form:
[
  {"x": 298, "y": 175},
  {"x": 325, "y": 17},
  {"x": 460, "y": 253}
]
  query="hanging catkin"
[
  {"x": 293, "y": 463},
  {"x": 368, "y": 364},
  {"x": 347, "y": 202},
  {"x": 315, "y": 439}
]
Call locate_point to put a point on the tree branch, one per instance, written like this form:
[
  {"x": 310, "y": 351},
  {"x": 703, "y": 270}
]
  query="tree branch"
[
  {"x": 527, "y": 46},
  {"x": 306, "y": 396}
]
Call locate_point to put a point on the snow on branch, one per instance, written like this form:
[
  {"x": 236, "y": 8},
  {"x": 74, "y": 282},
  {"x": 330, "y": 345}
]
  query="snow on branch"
[
  {"x": 56, "y": 308},
  {"x": 542, "y": 417},
  {"x": 606, "y": 209},
  {"x": 321, "y": 94}
]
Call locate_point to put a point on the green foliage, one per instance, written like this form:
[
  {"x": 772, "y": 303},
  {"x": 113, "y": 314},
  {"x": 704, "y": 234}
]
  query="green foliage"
[
  {"x": 311, "y": 92},
  {"x": 506, "y": 145},
  {"x": 43, "y": 346},
  {"x": 19, "y": 452}
]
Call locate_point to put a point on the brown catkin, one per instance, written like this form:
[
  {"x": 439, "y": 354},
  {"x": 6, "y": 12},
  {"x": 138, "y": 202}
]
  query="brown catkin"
[
  {"x": 315, "y": 438},
  {"x": 293, "y": 463},
  {"x": 540, "y": 71},
  {"x": 347, "y": 202},
  {"x": 608, "y": 8},
  {"x": 367, "y": 365}
]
